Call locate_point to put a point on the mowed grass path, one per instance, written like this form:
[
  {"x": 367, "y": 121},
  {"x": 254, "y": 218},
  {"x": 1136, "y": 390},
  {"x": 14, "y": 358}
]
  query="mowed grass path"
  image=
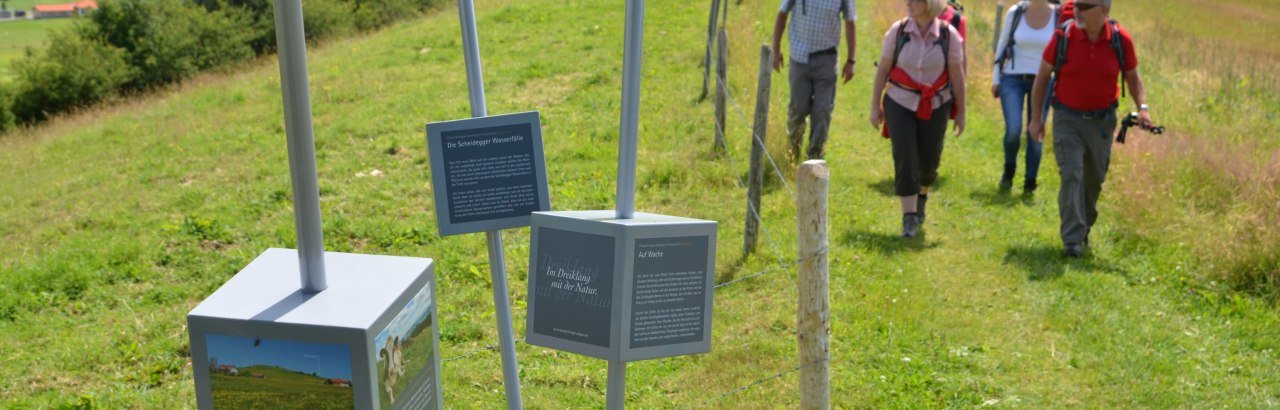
[{"x": 115, "y": 223}]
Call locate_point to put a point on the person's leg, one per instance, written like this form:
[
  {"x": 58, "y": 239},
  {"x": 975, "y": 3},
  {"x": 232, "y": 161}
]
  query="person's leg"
[
  {"x": 1035, "y": 149},
  {"x": 1096, "y": 162},
  {"x": 902, "y": 125},
  {"x": 801, "y": 103},
  {"x": 1069, "y": 150},
  {"x": 1012, "y": 97},
  {"x": 933, "y": 134},
  {"x": 823, "y": 74}
]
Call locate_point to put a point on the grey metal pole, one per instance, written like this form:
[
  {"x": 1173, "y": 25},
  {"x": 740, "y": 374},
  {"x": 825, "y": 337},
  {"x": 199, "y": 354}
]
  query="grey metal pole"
[
  {"x": 632, "y": 55},
  {"x": 617, "y": 393},
  {"x": 301, "y": 141},
  {"x": 497, "y": 263},
  {"x": 628, "y": 140}
]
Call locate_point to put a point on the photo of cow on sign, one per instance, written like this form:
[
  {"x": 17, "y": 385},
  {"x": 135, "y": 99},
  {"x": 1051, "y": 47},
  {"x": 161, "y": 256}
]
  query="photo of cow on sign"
[{"x": 406, "y": 350}]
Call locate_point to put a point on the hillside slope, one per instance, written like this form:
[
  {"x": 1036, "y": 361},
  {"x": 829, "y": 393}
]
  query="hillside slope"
[{"x": 115, "y": 223}]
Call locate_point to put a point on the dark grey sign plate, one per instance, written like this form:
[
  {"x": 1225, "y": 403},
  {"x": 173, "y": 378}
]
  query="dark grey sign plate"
[
  {"x": 488, "y": 173},
  {"x": 632, "y": 289}
]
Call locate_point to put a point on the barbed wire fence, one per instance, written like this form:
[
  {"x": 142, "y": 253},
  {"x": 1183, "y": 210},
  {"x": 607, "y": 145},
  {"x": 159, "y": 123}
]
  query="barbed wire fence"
[{"x": 780, "y": 264}]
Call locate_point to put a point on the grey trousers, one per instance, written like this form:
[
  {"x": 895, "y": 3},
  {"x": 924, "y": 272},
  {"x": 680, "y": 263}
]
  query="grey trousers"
[
  {"x": 813, "y": 94},
  {"x": 1082, "y": 147}
]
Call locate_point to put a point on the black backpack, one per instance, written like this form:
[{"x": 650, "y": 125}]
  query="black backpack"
[
  {"x": 955, "y": 17},
  {"x": 1117, "y": 46},
  {"x": 1007, "y": 52}
]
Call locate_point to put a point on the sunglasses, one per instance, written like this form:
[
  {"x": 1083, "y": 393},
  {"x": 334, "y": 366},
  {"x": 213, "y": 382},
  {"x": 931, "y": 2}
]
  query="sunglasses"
[{"x": 1085, "y": 6}]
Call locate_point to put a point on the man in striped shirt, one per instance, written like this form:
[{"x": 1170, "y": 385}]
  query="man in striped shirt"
[{"x": 813, "y": 41}]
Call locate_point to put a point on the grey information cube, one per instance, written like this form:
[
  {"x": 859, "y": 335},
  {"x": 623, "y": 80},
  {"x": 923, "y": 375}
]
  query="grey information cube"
[
  {"x": 369, "y": 341},
  {"x": 487, "y": 173},
  {"x": 621, "y": 289}
]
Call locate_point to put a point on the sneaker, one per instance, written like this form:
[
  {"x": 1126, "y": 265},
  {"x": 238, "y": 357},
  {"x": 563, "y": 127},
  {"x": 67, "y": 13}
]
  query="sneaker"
[
  {"x": 910, "y": 225},
  {"x": 1029, "y": 187},
  {"x": 1006, "y": 184},
  {"x": 920, "y": 202},
  {"x": 1073, "y": 250}
]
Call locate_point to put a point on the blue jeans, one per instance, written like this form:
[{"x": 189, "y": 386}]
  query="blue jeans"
[{"x": 1015, "y": 99}]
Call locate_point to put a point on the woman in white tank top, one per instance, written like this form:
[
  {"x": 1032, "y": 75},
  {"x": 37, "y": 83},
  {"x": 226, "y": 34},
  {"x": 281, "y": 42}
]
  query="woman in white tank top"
[{"x": 1015, "y": 69}]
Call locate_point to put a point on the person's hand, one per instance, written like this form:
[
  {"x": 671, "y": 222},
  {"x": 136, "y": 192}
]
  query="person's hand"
[
  {"x": 1144, "y": 118},
  {"x": 877, "y": 117},
  {"x": 1036, "y": 128},
  {"x": 960, "y": 123},
  {"x": 995, "y": 91},
  {"x": 848, "y": 71},
  {"x": 777, "y": 60}
]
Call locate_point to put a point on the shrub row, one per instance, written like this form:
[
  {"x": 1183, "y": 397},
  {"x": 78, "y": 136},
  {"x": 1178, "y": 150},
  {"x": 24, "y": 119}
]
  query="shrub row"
[{"x": 130, "y": 46}]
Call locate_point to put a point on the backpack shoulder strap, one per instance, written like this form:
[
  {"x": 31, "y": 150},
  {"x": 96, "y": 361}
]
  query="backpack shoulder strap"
[
  {"x": 1062, "y": 37},
  {"x": 900, "y": 40},
  {"x": 944, "y": 32},
  {"x": 1007, "y": 52},
  {"x": 1117, "y": 45}
]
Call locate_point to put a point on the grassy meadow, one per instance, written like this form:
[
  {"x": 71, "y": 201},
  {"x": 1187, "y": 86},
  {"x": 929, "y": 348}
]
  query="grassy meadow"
[
  {"x": 278, "y": 389},
  {"x": 115, "y": 222},
  {"x": 19, "y": 35}
]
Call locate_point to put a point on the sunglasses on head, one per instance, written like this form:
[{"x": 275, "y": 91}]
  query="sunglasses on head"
[{"x": 1085, "y": 6}]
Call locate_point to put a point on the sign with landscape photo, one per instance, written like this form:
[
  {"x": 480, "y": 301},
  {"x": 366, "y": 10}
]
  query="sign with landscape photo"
[
  {"x": 250, "y": 373},
  {"x": 408, "y": 357}
]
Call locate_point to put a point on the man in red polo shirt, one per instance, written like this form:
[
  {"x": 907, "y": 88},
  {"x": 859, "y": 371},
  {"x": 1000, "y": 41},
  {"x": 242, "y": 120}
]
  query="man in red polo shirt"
[{"x": 1085, "y": 99}]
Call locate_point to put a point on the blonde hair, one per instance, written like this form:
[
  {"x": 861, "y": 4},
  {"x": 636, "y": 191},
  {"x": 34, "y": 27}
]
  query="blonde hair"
[{"x": 936, "y": 7}]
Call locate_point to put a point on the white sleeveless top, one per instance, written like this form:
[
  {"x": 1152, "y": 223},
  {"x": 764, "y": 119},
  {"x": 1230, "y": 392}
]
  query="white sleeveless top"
[{"x": 1028, "y": 47}]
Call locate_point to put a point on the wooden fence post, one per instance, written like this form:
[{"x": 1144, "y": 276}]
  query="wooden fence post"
[
  {"x": 995, "y": 38},
  {"x": 722, "y": 93},
  {"x": 813, "y": 322},
  {"x": 756, "y": 176},
  {"x": 706, "y": 60}
]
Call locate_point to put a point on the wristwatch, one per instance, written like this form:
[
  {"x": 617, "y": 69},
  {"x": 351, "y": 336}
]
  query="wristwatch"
[
  {"x": 850, "y": 61},
  {"x": 1144, "y": 107}
]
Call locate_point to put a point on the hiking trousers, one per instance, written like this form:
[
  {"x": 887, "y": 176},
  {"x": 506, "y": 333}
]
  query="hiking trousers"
[
  {"x": 1082, "y": 147},
  {"x": 813, "y": 95}
]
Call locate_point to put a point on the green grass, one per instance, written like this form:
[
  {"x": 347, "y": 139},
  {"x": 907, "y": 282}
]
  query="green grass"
[
  {"x": 279, "y": 389},
  {"x": 117, "y": 222},
  {"x": 20, "y": 35}
]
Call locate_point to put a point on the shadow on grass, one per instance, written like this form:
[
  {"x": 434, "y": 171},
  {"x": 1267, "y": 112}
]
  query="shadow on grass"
[
  {"x": 885, "y": 186},
  {"x": 1046, "y": 262},
  {"x": 886, "y": 243},
  {"x": 731, "y": 272}
]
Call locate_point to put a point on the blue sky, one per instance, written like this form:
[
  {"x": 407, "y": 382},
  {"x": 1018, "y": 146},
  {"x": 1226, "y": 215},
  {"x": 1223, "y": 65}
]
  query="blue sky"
[
  {"x": 327, "y": 360},
  {"x": 414, "y": 313}
]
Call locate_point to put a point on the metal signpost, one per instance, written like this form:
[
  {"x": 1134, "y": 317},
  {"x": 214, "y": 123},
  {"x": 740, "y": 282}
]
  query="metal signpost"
[
  {"x": 523, "y": 142},
  {"x": 616, "y": 284},
  {"x": 364, "y": 326}
]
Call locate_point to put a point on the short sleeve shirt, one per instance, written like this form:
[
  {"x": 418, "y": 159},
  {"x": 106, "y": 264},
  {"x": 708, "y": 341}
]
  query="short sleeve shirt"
[
  {"x": 1088, "y": 81},
  {"x": 921, "y": 59},
  {"x": 815, "y": 25}
]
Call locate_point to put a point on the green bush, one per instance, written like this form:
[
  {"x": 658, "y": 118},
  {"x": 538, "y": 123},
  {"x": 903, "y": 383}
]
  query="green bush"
[
  {"x": 167, "y": 41},
  {"x": 371, "y": 14},
  {"x": 72, "y": 72},
  {"x": 327, "y": 18},
  {"x": 7, "y": 118}
]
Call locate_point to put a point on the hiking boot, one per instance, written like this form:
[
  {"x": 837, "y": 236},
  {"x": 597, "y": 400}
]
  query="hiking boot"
[
  {"x": 1029, "y": 187},
  {"x": 1006, "y": 184},
  {"x": 1073, "y": 250},
  {"x": 910, "y": 225},
  {"x": 920, "y": 202}
]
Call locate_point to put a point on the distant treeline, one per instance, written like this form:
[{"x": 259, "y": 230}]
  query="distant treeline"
[{"x": 130, "y": 46}]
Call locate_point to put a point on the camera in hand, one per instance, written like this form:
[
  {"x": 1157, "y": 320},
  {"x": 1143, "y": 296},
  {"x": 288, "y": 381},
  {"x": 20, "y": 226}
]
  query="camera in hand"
[{"x": 1132, "y": 120}]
